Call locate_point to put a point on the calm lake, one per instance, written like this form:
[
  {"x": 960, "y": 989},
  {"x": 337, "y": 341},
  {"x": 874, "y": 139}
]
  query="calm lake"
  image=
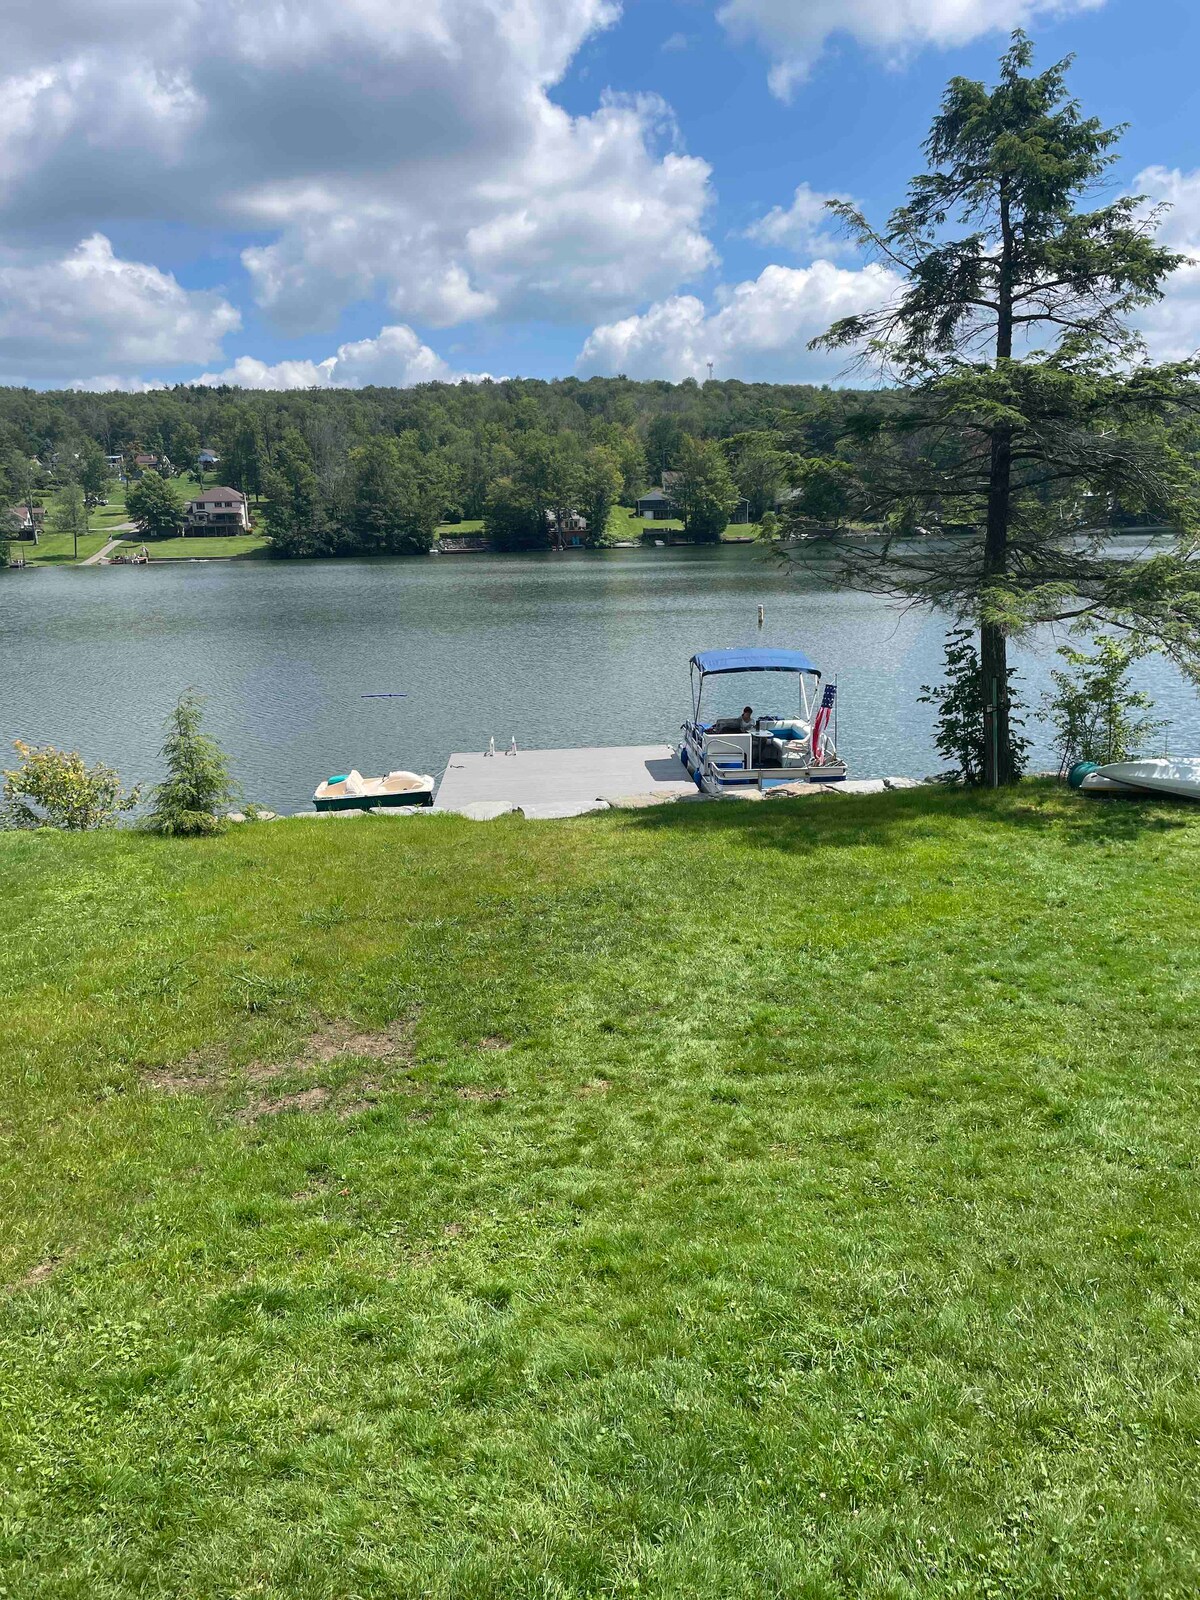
[{"x": 577, "y": 649}]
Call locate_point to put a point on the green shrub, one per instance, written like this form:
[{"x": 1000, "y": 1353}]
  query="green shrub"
[
  {"x": 197, "y": 785},
  {"x": 1093, "y": 710},
  {"x": 57, "y": 789},
  {"x": 962, "y": 727}
]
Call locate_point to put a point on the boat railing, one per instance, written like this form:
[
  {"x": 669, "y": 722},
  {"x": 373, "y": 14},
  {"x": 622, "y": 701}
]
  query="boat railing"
[{"x": 717, "y": 745}]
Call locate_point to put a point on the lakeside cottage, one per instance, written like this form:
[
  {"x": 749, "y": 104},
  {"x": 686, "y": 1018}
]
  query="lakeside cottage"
[
  {"x": 656, "y": 505},
  {"x": 218, "y": 510},
  {"x": 26, "y": 521}
]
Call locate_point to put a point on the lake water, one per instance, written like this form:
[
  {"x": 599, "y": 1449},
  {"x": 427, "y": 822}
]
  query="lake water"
[{"x": 576, "y": 649}]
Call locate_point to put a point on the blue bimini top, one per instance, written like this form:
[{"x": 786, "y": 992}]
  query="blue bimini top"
[{"x": 711, "y": 662}]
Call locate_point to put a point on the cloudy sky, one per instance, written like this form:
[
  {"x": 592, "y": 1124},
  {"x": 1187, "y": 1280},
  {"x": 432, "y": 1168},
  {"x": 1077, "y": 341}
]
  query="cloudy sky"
[{"x": 388, "y": 191}]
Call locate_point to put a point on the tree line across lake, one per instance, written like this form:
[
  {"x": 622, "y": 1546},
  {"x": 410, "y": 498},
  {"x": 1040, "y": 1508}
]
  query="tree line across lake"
[{"x": 351, "y": 472}]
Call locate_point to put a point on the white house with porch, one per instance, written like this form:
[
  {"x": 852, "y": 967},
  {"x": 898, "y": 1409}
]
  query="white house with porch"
[{"x": 218, "y": 510}]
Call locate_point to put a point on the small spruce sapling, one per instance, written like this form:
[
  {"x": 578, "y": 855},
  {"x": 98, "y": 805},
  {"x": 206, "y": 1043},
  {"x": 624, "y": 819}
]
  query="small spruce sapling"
[{"x": 189, "y": 801}]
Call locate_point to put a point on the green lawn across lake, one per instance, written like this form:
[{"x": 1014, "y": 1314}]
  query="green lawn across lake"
[
  {"x": 199, "y": 547},
  {"x": 795, "y": 1199}
]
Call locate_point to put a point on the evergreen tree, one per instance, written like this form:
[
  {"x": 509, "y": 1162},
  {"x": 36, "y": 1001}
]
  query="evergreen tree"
[
  {"x": 397, "y": 499},
  {"x": 243, "y": 453},
  {"x": 155, "y": 507},
  {"x": 189, "y": 800},
  {"x": 293, "y": 515},
  {"x": 1030, "y": 413}
]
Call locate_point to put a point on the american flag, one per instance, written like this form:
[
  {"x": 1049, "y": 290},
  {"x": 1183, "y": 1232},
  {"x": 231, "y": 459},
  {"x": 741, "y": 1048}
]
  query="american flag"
[{"x": 821, "y": 721}]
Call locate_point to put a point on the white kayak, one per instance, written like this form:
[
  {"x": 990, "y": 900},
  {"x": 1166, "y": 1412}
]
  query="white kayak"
[{"x": 1167, "y": 775}]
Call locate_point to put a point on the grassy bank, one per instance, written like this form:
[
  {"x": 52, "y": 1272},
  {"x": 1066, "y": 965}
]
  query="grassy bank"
[
  {"x": 794, "y": 1199},
  {"x": 200, "y": 548}
]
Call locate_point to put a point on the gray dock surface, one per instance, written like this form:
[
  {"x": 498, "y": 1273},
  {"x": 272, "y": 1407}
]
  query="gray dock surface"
[{"x": 547, "y": 783}]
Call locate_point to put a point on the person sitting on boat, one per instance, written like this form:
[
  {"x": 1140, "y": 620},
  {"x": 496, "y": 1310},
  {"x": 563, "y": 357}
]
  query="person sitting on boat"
[{"x": 742, "y": 724}]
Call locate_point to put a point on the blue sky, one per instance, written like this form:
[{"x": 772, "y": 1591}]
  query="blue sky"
[{"x": 390, "y": 191}]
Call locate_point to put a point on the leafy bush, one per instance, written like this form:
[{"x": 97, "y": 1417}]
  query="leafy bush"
[
  {"x": 1093, "y": 710},
  {"x": 962, "y": 726},
  {"x": 197, "y": 784},
  {"x": 57, "y": 789}
]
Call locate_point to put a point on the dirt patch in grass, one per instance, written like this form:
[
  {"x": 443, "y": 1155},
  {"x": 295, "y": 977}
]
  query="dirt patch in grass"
[
  {"x": 303, "y": 1100},
  {"x": 336, "y": 1039},
  {"x": 479, "y": 1091},
  {"x": 495, "y": 1041},
  {"x": 331, "y": 1042},
  {"x": 179, "y": 1082},
  {"x": 595, "y": 1086},
  {"x": 36, "y": 1274}
]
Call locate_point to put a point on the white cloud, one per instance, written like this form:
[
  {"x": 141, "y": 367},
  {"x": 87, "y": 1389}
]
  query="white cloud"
[
  {"x": 376, "y": 147},
  {"x": 88, "y": 309},
  {"x": 759, "y": 332},
  {"x": 110, "y": 381},
  {"x": 395, "y": 358},
  {"x": 794, "y": 32},
  {"x": 1172, "y": 327},
  {"x": 802, "y": 227}
]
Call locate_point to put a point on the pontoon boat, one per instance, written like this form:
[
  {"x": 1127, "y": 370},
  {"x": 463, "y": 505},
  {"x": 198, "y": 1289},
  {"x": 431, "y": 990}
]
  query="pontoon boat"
[{"x": 782, "y": 746}]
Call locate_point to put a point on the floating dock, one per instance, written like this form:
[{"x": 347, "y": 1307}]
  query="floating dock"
[{"x": 559, "y": 783}]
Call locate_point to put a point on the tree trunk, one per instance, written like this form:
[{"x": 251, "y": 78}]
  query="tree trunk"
[{"x": 993, "y": 646}]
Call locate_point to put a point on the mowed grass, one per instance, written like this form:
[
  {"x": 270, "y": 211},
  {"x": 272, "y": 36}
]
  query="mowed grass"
[
  {"x": 58, "y": 549},
  {"x": 198, "y": 548},
  {"x": 794, "y": 1199}
]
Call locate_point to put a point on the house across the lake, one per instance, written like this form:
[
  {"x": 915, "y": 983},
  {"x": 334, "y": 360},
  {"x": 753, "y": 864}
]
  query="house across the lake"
[
  {"x": 656, "y": 504},
  {"x": 659, "y": 504},
  {"x": 217, "y": 510},
  {"x": 26, "y": 521}
]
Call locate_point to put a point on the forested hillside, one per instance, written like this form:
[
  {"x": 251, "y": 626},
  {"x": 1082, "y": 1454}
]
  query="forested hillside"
[{"x": 341, "y": 471}]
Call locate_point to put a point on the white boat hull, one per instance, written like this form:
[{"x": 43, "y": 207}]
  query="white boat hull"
[{"x": 1179, "y": 777}]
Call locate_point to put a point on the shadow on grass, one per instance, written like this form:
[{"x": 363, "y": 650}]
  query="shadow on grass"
[{"x": 833, "y": 821}]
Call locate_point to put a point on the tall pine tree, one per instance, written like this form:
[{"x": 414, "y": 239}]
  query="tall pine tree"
[{"x": 1034, "y": 415}]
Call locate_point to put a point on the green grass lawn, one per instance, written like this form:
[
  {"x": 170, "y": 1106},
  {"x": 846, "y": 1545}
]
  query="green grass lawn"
[
  {"x": 795, "y": 1199},
  {"x": 452, "y": 530},
  {"x": 58, "y": 549},
  {"x": 623, "y": 524},
  {"x": 199, "y": 548}
]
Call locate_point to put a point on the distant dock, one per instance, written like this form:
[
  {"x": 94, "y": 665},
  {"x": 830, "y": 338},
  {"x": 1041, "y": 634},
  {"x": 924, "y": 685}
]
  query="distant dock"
[{"x": 559, "y": 783}]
